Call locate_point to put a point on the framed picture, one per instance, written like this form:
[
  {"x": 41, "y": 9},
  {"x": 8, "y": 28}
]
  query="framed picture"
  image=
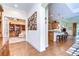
[{"x": 32, "y": 22}]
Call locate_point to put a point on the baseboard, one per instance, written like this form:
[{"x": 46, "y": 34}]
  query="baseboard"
[
  {"x": 33, "y": 46},
  {"x": 39, "y": 50},
  {"x": 42, "y": 50},
  {"x": 46, "y": 46}
]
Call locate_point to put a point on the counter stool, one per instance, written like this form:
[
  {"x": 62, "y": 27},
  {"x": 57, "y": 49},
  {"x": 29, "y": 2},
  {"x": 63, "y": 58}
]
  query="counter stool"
[
  {"x": 59, "y": 38},
  {"x": 64, "y": 37}
]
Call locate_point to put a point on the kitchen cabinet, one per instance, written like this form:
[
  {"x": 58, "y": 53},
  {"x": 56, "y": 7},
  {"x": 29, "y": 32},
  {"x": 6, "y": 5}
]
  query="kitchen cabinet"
[{"x": 1, "y": 11}]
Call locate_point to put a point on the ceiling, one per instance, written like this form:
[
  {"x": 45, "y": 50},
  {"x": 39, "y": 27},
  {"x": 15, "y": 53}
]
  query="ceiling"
[
  {"x": 22, "y": 6},
  {"x": 75, "y": 9},
  {"x": 73, "y": 6},
  {"x": 68, "y": 12}
]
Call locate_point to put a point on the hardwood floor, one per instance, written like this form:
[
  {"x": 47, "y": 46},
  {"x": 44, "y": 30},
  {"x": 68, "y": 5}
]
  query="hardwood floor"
[{"x": 54, "y": 49}]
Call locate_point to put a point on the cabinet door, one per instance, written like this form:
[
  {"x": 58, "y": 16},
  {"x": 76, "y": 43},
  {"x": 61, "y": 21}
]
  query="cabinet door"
[{"x": 50, "y": 36}]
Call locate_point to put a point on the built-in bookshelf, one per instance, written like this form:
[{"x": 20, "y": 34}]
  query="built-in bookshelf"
[
  {"x": 16, "y": 27},
  {"x": 1, "y": 11}
]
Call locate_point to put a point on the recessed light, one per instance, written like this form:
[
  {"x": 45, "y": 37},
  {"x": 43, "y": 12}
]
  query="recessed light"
[{"x": 15, "y": 5}]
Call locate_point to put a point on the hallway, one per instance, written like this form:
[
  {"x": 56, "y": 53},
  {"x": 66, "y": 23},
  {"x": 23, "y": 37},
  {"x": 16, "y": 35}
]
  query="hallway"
[
  {"x": 54, "y": 49},
  {"x": 28, "y": 31}
]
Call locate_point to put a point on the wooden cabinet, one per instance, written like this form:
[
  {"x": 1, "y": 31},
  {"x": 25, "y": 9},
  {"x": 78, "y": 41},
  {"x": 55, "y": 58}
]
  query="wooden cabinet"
[
  {"x": 53, "y": 25},
  {"x": 50, "y": 36},
  {"x": 0, "y": 28},
  {"x": 0, "y": 15},
  {"x": 16, "y": 27},
  {"x": 1, "y": 11},
  {"x": 15, "y": 30},
  {"x": 0, "y": 24},
  {"x": 11, "y": 30}
]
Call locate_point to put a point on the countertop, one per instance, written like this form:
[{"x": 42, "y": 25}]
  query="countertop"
[{"x": 55, "y": 30}]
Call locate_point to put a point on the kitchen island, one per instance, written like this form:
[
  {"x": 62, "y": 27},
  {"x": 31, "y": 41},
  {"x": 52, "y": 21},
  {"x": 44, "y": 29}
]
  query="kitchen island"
[{"x": 53, "y": 34}]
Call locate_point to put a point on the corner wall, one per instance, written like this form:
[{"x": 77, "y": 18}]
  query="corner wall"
[
  {"x": 37, "y": 37},
  {"x": 46, "y": 26}
]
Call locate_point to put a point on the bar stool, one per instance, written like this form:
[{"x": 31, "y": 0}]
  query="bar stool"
[{"x": 59, "y": 38}]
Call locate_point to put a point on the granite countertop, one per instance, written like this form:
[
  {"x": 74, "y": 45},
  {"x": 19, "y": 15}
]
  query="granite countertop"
[{"x": 55, "y": 30}]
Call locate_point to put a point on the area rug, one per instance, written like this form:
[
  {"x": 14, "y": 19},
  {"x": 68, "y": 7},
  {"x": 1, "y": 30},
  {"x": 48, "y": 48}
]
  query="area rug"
[{"x": 74, "y": 50}]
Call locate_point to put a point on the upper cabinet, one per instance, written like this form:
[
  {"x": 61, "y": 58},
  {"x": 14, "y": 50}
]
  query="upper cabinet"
[
  {"x": 53, "y": 25},
  {"x": 1, "y": 10}
]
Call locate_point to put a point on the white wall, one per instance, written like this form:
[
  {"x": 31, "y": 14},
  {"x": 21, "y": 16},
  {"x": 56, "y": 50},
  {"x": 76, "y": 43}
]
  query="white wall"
[
  {"x": 42, "y": 29},
  {"x": 68, "y": 26},
  {"x": 37, "y": 37},
  {"x": 46, "y": 27}
]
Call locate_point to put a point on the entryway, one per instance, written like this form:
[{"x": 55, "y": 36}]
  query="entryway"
[{"x": 17, "y": 31}]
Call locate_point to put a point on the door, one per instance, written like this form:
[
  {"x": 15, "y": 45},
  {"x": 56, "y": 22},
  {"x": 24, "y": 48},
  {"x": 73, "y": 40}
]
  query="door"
[{"x": 74, "y": 29}]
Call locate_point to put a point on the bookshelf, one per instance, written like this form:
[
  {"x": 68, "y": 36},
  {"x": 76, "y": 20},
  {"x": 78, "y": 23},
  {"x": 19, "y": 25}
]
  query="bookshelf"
[
  {"x": 16, "y": 27},
  {"x": 1, "y": 11}
]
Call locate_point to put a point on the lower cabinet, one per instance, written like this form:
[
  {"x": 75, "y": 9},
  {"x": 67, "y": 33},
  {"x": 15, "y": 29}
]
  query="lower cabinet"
[{"x": 50, "y": 36}]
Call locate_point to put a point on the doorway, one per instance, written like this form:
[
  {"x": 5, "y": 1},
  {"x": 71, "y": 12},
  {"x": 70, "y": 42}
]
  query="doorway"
[{"x": 17, "y": 31}]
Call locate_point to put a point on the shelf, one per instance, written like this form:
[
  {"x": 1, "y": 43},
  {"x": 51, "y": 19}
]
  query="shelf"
[
  {"x": 0, "y": 24},
  {"x": 15, "y": 29}
]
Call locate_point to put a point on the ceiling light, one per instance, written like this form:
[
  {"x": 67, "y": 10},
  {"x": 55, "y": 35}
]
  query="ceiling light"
[{"x": 15, "y": 5}]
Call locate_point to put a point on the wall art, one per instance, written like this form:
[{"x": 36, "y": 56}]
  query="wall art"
[{"x": 32, "y": 22}]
